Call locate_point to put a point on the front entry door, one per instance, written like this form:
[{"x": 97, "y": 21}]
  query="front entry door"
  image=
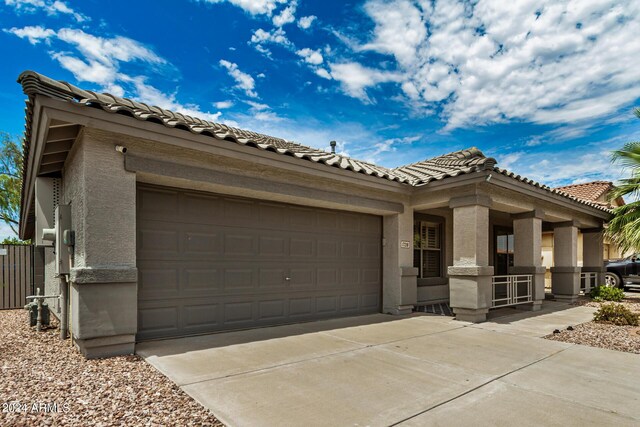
[{"x": 503, "y": 257}]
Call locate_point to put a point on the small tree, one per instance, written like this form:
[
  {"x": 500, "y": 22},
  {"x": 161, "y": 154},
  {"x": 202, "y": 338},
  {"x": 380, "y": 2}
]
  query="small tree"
[
  {"x": 10, "y": 181},
  {"x": 624, "y": 228}
]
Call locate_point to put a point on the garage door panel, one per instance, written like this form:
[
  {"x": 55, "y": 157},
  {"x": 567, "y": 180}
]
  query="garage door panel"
[
  {"x": 273, "y": 246},
  {"x": 202, "y": 242},
  {"x": 327, "y": 305},
  {"x": 158, "y": 320},
  {"x": 156, "y": 240},
  {"x": 272, "y": 278},
  {"x": 158, "y": 204},
  {"x": 201, "y": 315},
  {"x": 272, "y": 309},
  {"x": 302, "y": 247},
  {"x": 238, "y": 312},
  {"x": 211, "y": 263},
  {"x": 193, "y": 205},
  {"x": 236, "y": 210},
  {"x": 207, "y": 279}
]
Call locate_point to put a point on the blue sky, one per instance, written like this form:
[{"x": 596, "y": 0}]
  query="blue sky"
[{"x": 546, "y": 87}]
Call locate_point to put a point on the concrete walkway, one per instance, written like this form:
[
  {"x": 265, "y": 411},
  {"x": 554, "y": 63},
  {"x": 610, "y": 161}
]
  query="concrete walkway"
[{"x": 419, "y": 370}]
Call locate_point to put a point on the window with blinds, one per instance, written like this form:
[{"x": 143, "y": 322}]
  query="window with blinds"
[{"x": 427, "y": 246}]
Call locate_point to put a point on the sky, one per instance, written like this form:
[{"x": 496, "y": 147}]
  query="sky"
[{"x": 548, "y": 88}]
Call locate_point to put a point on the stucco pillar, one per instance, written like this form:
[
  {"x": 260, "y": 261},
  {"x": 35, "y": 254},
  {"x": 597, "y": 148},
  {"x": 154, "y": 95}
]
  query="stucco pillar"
[
  {"x": 593, "y": 253},
  {"x": 399, "y": 280},
  {"x": 470, "y": 275},
  {"x": 565, "y": 273},
  {"x": 103, "y": 276},
  {"x": 527, "y": 258}
]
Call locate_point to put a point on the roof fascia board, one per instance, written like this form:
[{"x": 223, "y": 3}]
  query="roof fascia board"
[
  {"x": 452, "y": 181},
  {"x": 102, "y": 120},
  {"x": 39, "y": 125},
  {"x": 225, "y": 179},
  {"x": 513, "y": 184}
]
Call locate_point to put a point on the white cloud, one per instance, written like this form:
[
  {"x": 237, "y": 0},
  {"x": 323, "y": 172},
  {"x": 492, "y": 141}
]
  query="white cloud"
[
  {"x": 276, "y": 36},
  {"x": 100, "y": 60},
  {"x": 34, "y": 34},
  {"x": 254, "y": 7},
  {"x": 306, "y": 21},
  {"x": 323, "y": 73},
  {"x": 286, "y": 16},
  {"x": 487, "y": 62},
  {"x": 355, "y": 78},
  {"x": 222, "y": 105},
  {"x": 243, "y": 80},
  {"x": 108, "y": 50},
  {"x": 257, "y": 106},
  {"x": 100, "y": 57},
  {"x": 49, "y": 7},
  {"x": 311, "y": 56}
]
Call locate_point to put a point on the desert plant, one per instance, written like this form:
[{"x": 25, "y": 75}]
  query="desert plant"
[
  {"x": 617, "y": 314},
  {"x": 606, "y": 293}
]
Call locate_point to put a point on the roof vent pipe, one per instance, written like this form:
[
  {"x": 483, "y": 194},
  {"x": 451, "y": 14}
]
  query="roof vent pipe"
[{"x": 333, "y": 147}]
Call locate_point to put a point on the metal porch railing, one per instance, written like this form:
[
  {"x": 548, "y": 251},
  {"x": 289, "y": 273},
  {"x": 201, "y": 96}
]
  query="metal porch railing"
[
  {"x": 511, "y": 290},
  {"x": 588, "y": 281}
]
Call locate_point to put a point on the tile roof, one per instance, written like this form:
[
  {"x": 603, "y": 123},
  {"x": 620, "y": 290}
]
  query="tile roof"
[
  {"x": 421, "y": 173},
  {"x": 590, "y": 191},
  {"x": 452, "y": 164}
]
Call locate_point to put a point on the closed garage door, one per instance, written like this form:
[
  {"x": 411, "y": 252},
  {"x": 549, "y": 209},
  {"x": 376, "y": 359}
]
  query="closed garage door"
[{"x": 211, "y": 263}]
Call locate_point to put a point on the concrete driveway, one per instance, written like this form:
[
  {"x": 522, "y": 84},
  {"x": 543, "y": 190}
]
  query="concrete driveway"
[{"x": 419, "y": 370}]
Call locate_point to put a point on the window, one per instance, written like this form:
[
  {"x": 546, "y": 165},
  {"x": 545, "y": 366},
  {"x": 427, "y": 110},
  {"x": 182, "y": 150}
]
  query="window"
[{"x": 427, "y": 248}]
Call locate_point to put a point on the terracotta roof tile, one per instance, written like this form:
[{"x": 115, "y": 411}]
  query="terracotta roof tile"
[
  {"x": 590, "y": 191},
  {"x": 421, "y": 173}
]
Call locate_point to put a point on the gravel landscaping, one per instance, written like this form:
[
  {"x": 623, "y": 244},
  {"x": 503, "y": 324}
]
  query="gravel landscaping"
[
  {"x": 45, "y": 381},
  {"x": 605, "y": 335}
]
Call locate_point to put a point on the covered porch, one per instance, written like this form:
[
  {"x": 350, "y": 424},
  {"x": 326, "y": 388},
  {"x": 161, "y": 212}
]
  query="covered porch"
[{"x": 477, "y": 244}]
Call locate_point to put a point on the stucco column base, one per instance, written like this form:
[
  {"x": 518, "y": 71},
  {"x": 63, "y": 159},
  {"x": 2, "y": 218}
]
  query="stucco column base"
[
  {"x": 470, "y": 315},
  {"x": 118, "y": 345},
  {"x": 470, "y": 292},
  {"x": 532, "y": 306},
  {"x": 565, "y": 283},
  {"x": 408, "y": 292},
  {"x": 104, "y": 316}
]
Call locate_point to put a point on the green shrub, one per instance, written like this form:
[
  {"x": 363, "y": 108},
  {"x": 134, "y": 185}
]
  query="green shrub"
[
  {"x": 617, "y": 314},
  {"x": 606, "y": 293}
]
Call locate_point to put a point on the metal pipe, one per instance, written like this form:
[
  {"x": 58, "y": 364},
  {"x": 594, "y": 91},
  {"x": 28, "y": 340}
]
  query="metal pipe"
[
  {"x": 39, "y": 319},
  {"x": 64, "y": 296}
]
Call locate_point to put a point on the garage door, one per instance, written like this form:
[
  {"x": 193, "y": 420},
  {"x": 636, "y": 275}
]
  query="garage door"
[{"x": 211, "y": 263}]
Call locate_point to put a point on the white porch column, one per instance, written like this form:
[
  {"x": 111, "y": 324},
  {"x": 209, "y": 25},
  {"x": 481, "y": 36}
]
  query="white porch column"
[
  {"x": 470, "y": 276},
  {"x": 399, "y": 280},
  {"x": 593, "y": 253},
  {"x": 527, "y": 258},
  {"x": 565, "y": 274}
]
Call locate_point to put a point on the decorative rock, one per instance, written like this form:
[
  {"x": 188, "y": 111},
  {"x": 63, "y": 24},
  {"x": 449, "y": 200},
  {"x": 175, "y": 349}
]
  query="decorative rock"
[{"x": 66, "y": 389}]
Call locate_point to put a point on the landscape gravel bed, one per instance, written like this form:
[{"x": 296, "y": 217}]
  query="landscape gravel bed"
[
  {"x": 45, "y": 381},
  {"x": 605, "y": 335}
]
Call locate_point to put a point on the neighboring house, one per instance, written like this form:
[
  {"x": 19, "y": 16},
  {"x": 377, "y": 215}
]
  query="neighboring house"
[
  {"x": 594, "y": 192},
  {"x": 199, "y": 227},
  {"x": 597, "y": 192}
]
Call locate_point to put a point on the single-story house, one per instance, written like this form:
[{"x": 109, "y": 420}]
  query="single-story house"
[{"x": 155, "y": 224}]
